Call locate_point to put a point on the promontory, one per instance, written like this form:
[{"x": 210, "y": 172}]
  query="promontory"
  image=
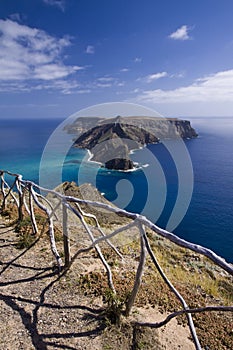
[{"x": 110, "y": 140}]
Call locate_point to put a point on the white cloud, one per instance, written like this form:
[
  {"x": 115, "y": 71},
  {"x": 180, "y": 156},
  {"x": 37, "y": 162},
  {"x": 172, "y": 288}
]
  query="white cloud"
[
  {"x": 181, "y": 33},
  {"x": 103, "y": 85},
  {"x": 57, "y": 3},
  {"x": 155, "y": 76},
  {"x": 90, "y": 49},
  {"x": 14, "y": 86},
  {"x": 124, "y": 70},
  {"x": 50, "y": 71},
  {"x": 178, "y": 75},
  {"x": 84, "y": 91},
  {"x": 217, "y": 87},
  {"x": 106, "y": 82},
  {"x": 105, "y": 79},
  {"x": 137, "y": 60},
  {"x": 66, "y": 87},
  {"x": 29, "y": 54}
]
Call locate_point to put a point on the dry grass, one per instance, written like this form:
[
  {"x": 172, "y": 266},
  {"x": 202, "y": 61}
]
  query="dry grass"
[{"x": 199, "y": 281}]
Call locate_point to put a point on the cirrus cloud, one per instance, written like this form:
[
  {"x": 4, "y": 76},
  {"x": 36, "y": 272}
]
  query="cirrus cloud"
[{"x": 57, "y": 3}]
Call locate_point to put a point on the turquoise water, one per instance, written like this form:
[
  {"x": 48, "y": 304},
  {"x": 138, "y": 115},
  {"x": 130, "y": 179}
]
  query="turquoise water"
[{"x": 209, "y": 218}]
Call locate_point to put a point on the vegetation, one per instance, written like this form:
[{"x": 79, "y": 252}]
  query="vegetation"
[
  {"x": 197, "y": 279},
  {"x": 200, "y": 282}
]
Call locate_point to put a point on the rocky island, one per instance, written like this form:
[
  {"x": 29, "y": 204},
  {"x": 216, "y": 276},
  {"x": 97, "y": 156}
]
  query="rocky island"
[{"x": 110, "y": 140}]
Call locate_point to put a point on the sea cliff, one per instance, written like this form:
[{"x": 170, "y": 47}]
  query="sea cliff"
[{"x": 110, "y": 140}]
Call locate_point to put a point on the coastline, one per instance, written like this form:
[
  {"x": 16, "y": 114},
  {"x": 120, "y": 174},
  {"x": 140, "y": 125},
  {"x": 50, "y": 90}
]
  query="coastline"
[
  {"x": 91, "y": 156},
  {"x": 136, "y": 168},
  {"x": 209, "y": 153}
]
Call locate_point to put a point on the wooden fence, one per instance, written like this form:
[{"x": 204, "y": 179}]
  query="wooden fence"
[{"x": 27, "y": 196}]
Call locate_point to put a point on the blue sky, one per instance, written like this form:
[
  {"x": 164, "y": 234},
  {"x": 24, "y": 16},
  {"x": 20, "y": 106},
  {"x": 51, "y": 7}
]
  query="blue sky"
[{"x": 59, "y": 56}]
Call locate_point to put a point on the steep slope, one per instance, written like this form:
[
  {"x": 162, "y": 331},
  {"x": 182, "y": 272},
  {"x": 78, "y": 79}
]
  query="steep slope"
[
  {"x": 111, "y": 140},
  {"x": 111, "y": 143}
]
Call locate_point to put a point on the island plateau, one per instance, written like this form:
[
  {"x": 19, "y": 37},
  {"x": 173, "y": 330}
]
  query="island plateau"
[{"x": 110, "y": 140}]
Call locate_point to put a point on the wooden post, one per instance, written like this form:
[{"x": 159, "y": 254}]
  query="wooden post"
[
  {"x": 138, "y": 278},
  {"x": 32, "y": 214},
  {"x": 66, "y": 242},
  {"x": 21, "y": 202},
  {"x": 51, "y": 227},
  {"x": 3, "y": 191}
]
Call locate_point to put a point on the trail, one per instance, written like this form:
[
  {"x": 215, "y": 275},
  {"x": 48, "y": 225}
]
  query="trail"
[{"x": 39, "y": 311}]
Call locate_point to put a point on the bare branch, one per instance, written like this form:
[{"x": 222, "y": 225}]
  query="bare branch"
[
  {"x": 21, "y": 200},
  {"x": 139, "y": 221},
  {"x": 174, "y": 290},
  {"x": 99, "y": 229},
  {"x": 51, "y": 228},
  {"x": 161, "y": 232},
  {"x": 138, "y": 278},
  {"x": 65, "y": 235},
  {"x": 102, "y": 258},
  {"x": 182, "y": 312},
  {"x": 32, "y": 215},
  {"x": 10, "y": 192}
]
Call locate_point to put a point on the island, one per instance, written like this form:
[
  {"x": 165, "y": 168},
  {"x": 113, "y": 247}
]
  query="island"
[{"x": 110, "y": 140}]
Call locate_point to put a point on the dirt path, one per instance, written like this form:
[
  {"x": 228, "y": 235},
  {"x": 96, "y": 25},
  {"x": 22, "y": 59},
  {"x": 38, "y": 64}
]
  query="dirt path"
[
  {"x": 35, "y": 312},
  {"x": 40, "y": 311}
]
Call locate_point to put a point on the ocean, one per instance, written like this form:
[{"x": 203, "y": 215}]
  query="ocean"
[{"x": 209, "y": 217}]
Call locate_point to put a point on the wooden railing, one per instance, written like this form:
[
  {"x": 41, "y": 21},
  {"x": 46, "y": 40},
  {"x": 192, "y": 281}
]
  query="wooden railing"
[{"x": 26, "y": 195}]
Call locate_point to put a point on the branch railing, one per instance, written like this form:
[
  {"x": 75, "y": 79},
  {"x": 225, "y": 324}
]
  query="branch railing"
[{"x": 26, "y": 196}]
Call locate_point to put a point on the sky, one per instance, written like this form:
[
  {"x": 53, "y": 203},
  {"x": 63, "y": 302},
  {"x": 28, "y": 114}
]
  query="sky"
[{"x": 60, "y": 56}]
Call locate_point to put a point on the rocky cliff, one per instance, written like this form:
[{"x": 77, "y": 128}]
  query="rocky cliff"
[
  {"x": 159, "y": 127},
  {"x": 110, "y": 140}
]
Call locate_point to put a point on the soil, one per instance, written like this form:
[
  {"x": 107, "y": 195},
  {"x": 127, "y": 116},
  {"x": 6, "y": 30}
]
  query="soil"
[{"x": 44, "y": 309}]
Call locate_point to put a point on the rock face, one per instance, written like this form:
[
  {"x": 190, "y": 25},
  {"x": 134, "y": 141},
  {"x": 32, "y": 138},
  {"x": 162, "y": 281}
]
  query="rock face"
[
  {"x": 111, "y": 140},
  {"x": 109, "y": 130},
  {"x": 119, "y": 164},
  {"x": 159, "y": 127},
  {"x": 111, "y": 143}
]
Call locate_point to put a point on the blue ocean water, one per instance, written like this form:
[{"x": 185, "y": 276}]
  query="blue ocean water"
[{"x": 209, "y": 218}]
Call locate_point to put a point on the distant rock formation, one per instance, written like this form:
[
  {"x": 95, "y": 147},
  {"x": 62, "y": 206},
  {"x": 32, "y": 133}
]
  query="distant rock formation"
[
  {"x": 119, "y": 164},
  {"x": 111, "y": 143},
  {"x": 111, "y": 140}
]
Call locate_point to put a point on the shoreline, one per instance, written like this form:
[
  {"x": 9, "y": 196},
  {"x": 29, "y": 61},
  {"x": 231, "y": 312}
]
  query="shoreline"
[
  {"x": 135, "y": 168},
  {"x": 89, "y": 160}
]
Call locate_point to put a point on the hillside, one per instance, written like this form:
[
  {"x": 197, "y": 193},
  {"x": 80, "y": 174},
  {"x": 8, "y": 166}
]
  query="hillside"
[
  {"x": 43, "y": 310},
  {"x": 161, "y": 128},
  {"x": 110, "y": 140}
]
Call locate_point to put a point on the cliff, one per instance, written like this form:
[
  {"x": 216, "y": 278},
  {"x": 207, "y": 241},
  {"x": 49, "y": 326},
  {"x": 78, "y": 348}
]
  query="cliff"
[
  {"x": 160, "y": 127},
  {"x": 111, "y": 139}
]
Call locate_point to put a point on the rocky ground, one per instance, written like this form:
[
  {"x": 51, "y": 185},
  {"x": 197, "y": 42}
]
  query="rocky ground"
[{"x": 41, "y": 309}]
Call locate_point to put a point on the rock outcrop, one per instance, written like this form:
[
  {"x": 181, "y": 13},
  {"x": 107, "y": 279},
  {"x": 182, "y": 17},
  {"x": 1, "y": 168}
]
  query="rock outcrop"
[
  {"x": 88, "y": 192},
  {"x": 110, "y": 140},
  {"x": 119, "y": 164}
]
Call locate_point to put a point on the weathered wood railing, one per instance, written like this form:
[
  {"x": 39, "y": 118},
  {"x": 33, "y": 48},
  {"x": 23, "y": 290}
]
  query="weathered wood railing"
[{"x": 26, "y": 196}]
